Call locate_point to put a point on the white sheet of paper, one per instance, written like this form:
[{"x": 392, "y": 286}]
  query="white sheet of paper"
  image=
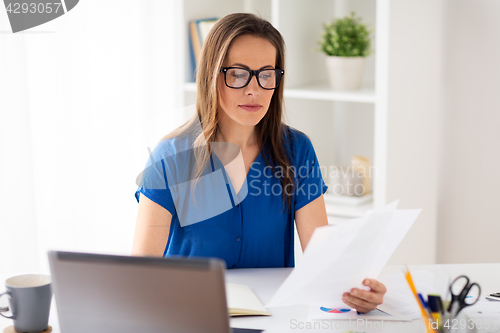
[
  {"x": 484, "y": 307},
  {"x": 399, "y": 301},
  {"x": 484, "y": 316},
  {"x": 339, "y": 257},
  {"x": 401, "y": 222}
]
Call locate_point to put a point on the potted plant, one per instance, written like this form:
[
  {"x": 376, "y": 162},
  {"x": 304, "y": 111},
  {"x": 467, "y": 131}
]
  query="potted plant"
[{"x": 346, "y": 42}]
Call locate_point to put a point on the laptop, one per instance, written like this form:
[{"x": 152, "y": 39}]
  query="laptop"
[{"x": 128, "y": 294}]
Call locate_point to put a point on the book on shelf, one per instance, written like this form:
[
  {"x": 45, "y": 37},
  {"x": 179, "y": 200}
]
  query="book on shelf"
[
  {"x": 242, "y": 301},
  {"x": 198, "y": 32}
]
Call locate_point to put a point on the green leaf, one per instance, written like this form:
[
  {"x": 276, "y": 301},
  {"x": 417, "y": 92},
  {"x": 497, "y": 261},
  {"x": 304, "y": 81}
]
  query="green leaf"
[{"x": 346, "y": 37}]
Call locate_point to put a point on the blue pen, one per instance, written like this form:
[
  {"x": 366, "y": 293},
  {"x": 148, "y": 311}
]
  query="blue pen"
[{"x": 425, "y": 305}]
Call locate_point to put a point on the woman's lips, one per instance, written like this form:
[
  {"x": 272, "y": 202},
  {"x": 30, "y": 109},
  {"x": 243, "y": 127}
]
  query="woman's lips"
[{"x": 250, "y": 107}]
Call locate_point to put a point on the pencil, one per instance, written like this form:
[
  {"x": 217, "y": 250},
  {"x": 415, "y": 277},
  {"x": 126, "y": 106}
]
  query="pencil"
[{"x": 409, "y": 279}]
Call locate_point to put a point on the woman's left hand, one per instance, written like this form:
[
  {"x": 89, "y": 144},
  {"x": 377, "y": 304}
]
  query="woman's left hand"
[{"x": 365, "y": 301}]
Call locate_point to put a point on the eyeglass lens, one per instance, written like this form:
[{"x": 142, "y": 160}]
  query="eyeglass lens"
[{"x": 237, "y": 78}]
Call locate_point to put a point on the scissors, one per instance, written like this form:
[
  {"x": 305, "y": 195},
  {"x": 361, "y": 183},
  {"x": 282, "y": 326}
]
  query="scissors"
[{"x": 460, "y": 289}]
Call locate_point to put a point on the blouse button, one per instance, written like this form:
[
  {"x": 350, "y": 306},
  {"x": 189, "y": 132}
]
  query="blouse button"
[
  {"x": 237, "y": 239},
  {"x": 234, "y": 266}
]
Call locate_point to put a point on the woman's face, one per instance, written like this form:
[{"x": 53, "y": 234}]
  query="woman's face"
[{"x": 248, "y": 105}]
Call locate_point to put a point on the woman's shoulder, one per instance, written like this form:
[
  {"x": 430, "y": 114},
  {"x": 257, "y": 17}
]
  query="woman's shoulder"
[
  {"x": 178, "y": 142},
  {"x": 170, "y": 146},
  {"x": 295, "y": 140},
  {"x": 182, "y": 139}
]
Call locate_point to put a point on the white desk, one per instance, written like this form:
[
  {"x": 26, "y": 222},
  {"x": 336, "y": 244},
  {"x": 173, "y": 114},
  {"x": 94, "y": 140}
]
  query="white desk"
[{"x": 265, "y": 281}]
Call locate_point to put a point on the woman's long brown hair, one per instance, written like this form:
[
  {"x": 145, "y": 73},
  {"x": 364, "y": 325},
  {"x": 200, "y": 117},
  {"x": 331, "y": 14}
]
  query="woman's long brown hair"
[{"x": 269, "y": 130}]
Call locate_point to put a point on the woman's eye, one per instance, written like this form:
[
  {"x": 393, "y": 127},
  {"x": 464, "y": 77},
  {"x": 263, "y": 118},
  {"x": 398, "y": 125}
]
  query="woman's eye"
[{"x": 238, "y": 76}]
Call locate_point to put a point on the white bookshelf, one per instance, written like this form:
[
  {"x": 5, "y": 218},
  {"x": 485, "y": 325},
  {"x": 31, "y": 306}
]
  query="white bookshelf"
[{"x": 325, "y": 93}]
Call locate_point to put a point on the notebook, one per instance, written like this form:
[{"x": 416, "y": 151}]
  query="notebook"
[{"x": 242, "y": 301}]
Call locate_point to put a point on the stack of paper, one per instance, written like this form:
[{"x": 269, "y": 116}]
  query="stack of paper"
[
  {"x": 339, "y": 257},
  {"x": 399, "y": 300},
  {"x": 484, "y": 316}
]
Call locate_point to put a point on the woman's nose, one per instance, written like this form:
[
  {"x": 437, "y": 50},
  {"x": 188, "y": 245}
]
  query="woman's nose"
[{"x": 253, "y": 86}]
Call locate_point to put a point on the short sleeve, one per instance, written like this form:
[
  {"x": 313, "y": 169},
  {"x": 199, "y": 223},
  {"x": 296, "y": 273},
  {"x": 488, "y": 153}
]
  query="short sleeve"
[
  {"x": 309, "y": 181},
  {"x": 153, "y": 183}
]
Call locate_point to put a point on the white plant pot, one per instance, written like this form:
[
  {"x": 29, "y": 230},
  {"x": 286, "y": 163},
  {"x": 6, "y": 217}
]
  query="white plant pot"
[{"x": 345, "y": 72}]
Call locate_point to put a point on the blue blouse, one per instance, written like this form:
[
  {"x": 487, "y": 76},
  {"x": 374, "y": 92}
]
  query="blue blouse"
[{"x": 254, "y": 229}]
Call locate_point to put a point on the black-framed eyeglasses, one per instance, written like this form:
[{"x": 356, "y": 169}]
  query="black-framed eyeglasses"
[{"x": 236, "y": 77}]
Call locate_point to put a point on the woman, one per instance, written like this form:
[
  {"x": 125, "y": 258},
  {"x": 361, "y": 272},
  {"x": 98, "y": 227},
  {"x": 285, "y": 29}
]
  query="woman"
[{"x": 236, "y": 204}]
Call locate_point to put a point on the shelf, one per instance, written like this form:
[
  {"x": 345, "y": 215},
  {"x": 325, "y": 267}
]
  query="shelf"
[
  {"x": 345, "y": 200},
  {"x": 324, "y": 92},
  {"x": 347, "y": 211},
  {"x": 319, "y": 92},
  {"x": 346, "y": 206}
]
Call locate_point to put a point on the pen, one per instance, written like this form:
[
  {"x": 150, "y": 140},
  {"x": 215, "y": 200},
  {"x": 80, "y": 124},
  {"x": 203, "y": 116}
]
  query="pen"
[
  {"x": 435, "y": 303},
  {"x": 425, "y": 305},
  {"x": 436, "y": 307}
]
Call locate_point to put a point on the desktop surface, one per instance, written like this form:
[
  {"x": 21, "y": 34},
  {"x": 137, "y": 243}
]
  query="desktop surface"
[{"x": 265, "y": 281}]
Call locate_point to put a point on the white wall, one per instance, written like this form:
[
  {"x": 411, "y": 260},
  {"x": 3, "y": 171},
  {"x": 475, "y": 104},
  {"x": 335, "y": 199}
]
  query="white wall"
[
  {"x": 414, "y": 106},
  {"x": 443, "y": 135},
  {"x": 75, "y": 95},
  {"x": 469, "y": 209},
  {"x": 17, "y": 202}
]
